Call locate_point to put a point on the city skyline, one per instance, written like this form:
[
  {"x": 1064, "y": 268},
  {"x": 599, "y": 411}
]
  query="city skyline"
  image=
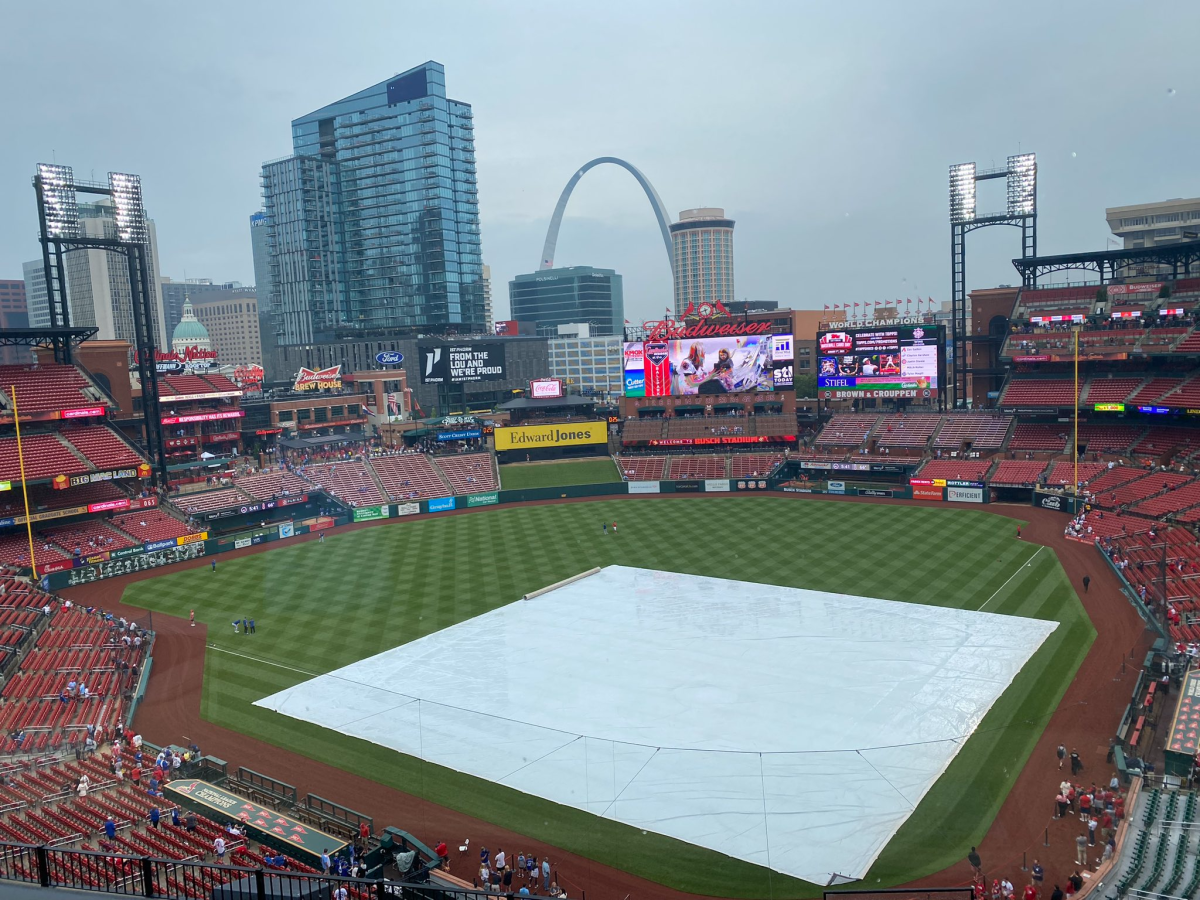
[{"x": 835, "y": 131}]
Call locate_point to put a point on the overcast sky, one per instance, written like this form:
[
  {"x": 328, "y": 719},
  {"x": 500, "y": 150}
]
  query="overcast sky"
[{"x": 824, "y": 129}]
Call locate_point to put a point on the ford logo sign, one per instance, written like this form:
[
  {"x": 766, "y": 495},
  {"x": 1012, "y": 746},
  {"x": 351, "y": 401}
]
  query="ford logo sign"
[{"x": 389, "y": 358}]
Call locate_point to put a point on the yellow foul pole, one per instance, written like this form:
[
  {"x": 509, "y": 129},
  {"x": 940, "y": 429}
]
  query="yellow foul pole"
[
  {"x": 12, "y": 392},
  {"x": 1075, "y": 478}
]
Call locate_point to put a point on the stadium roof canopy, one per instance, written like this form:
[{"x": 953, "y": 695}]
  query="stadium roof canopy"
[
  {"x": 555, "y": 403},
  {"x": 1109, "y": 264},
  {"x": 33, "y": 337}
]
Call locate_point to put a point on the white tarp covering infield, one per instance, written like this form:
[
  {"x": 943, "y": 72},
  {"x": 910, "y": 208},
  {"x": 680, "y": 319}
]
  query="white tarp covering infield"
[{"x": 794, "y": 729}]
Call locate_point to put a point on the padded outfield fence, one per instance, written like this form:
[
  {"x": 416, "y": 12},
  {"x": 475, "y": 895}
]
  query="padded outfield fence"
[{"x": 948, "y": 893}]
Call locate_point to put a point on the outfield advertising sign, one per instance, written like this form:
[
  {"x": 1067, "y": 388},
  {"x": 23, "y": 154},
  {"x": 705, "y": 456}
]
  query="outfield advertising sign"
[
  {"x": 370, "y": 513},
  {"x": 964, "y": 494},
  {"x": 528, "y": 437},
  {"x": 716, "y": 484},
  {"x": 644, "y": 487},
  {"x": 287, "y": 529},
  {"x": 441, "y": 504},
  {"x": 488, "y": 499},
  {"x": 837, "y": 487},
  {"x": 408, "y": 509}
]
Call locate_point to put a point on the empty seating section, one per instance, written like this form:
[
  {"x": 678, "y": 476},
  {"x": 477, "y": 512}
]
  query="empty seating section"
[
  {"x": 89, "y": 537},
  {"x": 183, "y": 385},
  {"x": 45, "y": 388},
  {"x": 697, "y": 467},
  {"x": 45, "y": 457},
  {"x": 208, "y": 501},
  {"x": 639, "y": 430},
  {"x": 906, "y": 430},
  {"x": 14, "y": 550},
  {"x": 267, "y": 485},
  {"x": 1190, "y": 344},
  {"x": 102, "y": 448},
  {"x": 846, "y": 430},
  {"x": 1039, "y": 392},
  {"x": 77, "y": 646},
  {"x": 148, "y": 525},
  {"x": 1064, "y": 472},
  {"x": 642, "y": 468},
  {"x": 1112, "y": 479},
  {"x": 1110, "y": 390},
  {"x": 1187, "y": 394},
  {"x": 981, "y": 431},
  {"x": 956, "y": 469},
  {"x": 220, "y": 383},
  {"x": 1153, "y": 389},
  {"x": 712, "y": 426},
  {"x": 745, "y": 465},
  {"x": 1107, "y": 438},
  {"x": 1134, "y": 491},
  {"x": 408, "y": 476},
  {"x": 468, "y": 473},
  {"x": 350, "y": 482},
  {"x": 1037, "y": 436},
  {"x": 1017, "y": 472},
  {"x": 43, "y": 497},
  {"x": 1160, "y": 440},
  {"x": 773, "y": 425},
  {"x": 1179, "y": 498}
]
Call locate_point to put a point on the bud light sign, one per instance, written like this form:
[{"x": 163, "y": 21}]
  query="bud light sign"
[{"x": 389, "y": 358}]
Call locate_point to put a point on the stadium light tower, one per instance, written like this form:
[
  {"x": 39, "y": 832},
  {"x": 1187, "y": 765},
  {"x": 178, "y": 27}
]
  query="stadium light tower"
[
  {"x": 58, "y": 220},
  {"x": 1020, "y": 175}
]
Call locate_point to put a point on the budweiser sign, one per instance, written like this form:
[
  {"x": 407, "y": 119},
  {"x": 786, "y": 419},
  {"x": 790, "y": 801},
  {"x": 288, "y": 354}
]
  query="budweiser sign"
[
  {"x": 326, "y": 379},
  {"x": 703, "y": 326}
]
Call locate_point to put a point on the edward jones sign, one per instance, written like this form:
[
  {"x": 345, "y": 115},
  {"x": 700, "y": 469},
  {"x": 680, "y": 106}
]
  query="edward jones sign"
[{"x": 527, "y": 437}]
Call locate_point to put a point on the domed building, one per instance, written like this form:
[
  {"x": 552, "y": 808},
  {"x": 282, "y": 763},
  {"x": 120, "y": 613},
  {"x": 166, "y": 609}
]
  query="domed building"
[{"x": 190, "y": 332}]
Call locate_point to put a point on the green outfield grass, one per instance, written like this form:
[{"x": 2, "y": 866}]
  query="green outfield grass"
[
  {"x": 557, "y": 474},
  {"x": 322, "y": 606}
]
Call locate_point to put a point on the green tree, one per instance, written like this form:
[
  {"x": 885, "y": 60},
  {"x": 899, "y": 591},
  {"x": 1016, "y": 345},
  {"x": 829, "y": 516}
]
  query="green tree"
[{"x": 806, "y": 386}]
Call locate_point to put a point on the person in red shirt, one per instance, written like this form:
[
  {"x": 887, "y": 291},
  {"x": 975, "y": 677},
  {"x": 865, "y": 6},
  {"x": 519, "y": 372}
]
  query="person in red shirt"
[
  {"x": 1085, "y": 806},
  {"x": 440, "y": 850},
  {"x": 136, "y": 774}
]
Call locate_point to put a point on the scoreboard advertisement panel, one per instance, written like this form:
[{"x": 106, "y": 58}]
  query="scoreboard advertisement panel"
[
  {"x": 889, "y": 362},
  {"x": 708, "y": 365}
]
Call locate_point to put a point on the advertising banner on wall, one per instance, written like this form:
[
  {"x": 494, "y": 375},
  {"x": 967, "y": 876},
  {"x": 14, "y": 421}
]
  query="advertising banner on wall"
[
  {"x": 370, "y": 513},
  {"x": 546, "y": 388},
  {"x": 926, "y": 492},
  {"x": 488, "y": 499},
  {"x": 964, "y": 494},
  {"x": 462, "y": 363},
  {"x": 527, "y": 437},
  {"x": 644, "y": 487},
  {"x": 716, "y": 484},
  {"x": 441, "y": 504},
  {"x": 408, "y": 509}
]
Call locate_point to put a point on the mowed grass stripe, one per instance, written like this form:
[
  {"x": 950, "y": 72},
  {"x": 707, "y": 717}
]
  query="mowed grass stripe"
[{"x": 322, "y": 606}]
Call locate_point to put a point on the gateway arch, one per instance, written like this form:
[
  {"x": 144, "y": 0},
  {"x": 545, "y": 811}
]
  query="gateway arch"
[{"x": 660, "y": 211}]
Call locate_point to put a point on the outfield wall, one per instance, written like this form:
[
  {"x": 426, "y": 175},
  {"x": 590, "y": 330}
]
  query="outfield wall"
[{"x": 150, "y": 556}]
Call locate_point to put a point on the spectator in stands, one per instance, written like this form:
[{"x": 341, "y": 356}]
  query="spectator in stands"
[
  {"x": 174, "y": 816},
  {"x": 219, "y": 848},
  {"x": 325, "y": 862},
  {"x": 189, "y": 823},
  {"x": 82, "y": 787},
  {"x": 110, "y": 828},
  {"x": 155, "y": 817}
]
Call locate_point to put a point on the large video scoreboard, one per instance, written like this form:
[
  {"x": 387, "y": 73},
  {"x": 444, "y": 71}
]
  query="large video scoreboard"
[{"x": 886, "y": 362}]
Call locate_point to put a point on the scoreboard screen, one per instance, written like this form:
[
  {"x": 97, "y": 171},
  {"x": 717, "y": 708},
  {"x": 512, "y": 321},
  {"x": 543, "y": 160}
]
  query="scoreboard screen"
[{"x": 891, "y": 362}]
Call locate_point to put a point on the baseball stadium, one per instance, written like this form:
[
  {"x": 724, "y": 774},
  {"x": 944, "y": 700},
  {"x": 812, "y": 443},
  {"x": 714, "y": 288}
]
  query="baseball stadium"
[{"x": 864, "y": 601}]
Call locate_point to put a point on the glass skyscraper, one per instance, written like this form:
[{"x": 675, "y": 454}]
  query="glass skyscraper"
[
  {"x": 553, "y": 297},
  {"x": 373, "y": 223}
]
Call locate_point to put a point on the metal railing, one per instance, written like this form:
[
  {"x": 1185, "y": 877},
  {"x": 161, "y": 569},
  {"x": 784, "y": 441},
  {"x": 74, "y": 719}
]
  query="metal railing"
[{"x": 147, "y": 876}]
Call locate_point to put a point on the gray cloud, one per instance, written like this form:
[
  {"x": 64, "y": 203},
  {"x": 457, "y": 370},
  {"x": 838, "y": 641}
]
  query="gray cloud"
[{"x": 825, "y": 130}]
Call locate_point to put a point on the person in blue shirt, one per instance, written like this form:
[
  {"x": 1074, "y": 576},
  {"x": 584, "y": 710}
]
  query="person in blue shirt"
[
  {"x": 214, "y": 565},
  {"x": 155, "y": 816},
  {"x": 325, "y": 863},
  {"x": 252, "y": 626},
  {"x": 110, "y": 828},
  {"x": 175, "y": 816}
]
